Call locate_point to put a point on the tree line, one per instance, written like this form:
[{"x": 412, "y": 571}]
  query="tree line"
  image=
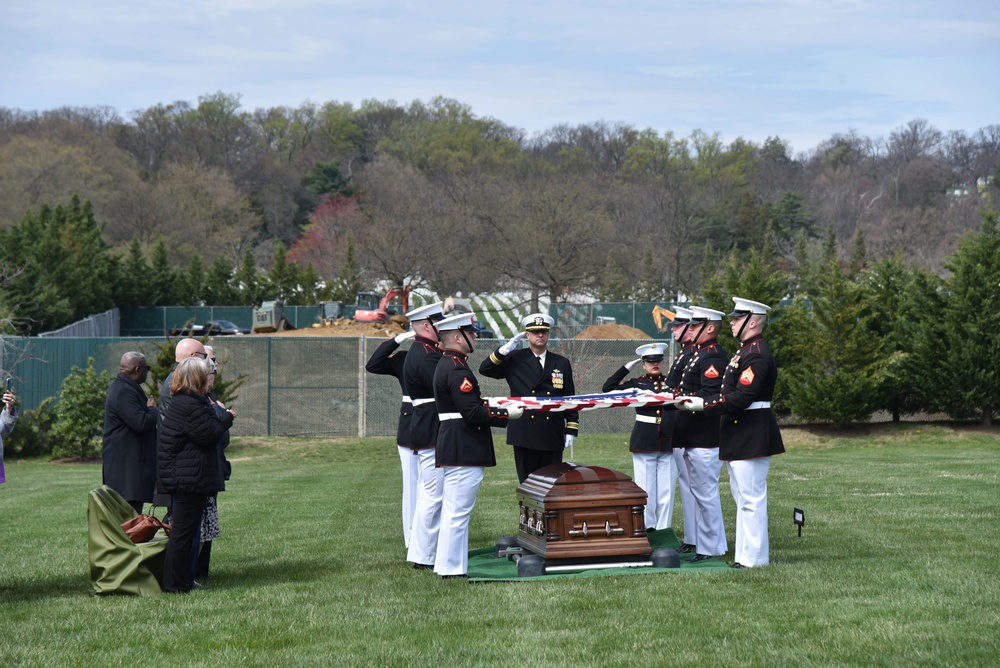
[{"x": 430, "y": 194}]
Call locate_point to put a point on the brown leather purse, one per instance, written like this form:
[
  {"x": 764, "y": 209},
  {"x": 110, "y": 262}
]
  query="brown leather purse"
[{"x": 142, "y": 528}]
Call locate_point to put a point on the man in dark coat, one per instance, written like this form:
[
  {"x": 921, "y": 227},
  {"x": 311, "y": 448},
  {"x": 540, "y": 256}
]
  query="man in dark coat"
[
  {"x": 129, "y": 451},
  {"x": 540, "y": 437}
]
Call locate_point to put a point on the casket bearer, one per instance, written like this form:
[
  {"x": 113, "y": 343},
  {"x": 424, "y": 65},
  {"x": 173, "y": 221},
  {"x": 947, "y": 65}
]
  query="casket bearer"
[
  {"x": 748, "y": 430},
  {"x": 650, "y": 443},
  {"x": 697, "y": 434},
  {"x": 418, "y": 381},
  {"x": 464, "y": 441},
  {"x": 679, "y": 329}
]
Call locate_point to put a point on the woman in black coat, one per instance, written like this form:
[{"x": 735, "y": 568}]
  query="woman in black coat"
[{"x": 188, "y": 465}]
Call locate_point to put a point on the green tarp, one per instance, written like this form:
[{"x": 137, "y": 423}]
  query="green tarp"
[
  {"x": 484, "y": 566},
  {"x": 117, "y": 565}
]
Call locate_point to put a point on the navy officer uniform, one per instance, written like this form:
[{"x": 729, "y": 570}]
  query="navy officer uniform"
[
  {"x": 650, "y": 442},
  {"x": 538, "y": 439},
  {"x": 748, "y": 429},
  {"x": 389, "y": 360},
  {"x": 698, "y": 433},
  {"x": 418, "y": 379},
  {"x": 464, "y": 441}
]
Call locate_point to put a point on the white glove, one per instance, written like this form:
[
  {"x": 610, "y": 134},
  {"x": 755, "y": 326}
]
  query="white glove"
[
  {"x": 399, "y": 338},
  {"x": 568, "y": 443},
  {"x": 514, "y": 411},
  {"x": 510, "y": 345},
  {"x": 694, "y": 404},
  {"x": 629, "y": 365}
]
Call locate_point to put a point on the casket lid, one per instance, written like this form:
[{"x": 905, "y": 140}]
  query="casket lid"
[{"x": 574, "y": 480}]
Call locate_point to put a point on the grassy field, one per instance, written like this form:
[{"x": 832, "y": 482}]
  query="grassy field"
[{"x": 897, "y": 566}]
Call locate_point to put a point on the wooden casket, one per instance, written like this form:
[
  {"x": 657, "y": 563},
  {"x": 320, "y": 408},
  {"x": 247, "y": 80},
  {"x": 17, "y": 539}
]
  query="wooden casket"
[{"x": 570, "y": 511}]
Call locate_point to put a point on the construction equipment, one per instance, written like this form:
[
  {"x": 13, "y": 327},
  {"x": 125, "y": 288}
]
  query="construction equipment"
[
  {"x": 396, "y": 302},
  {"x": 368, "y": 307},
  {"x": 270, "y": 317},
  {"x": 658, "y": 314}
]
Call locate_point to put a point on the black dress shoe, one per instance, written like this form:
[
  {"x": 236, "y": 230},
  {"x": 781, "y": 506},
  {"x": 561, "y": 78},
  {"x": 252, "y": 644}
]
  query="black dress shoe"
[
  {"x": 423, "y": 567},
  {"x": 686, "y": 548},
  {"x": 452, "y": 577},
  {"x": 737, "y": 565},
  {"x": 699, "y": 557}
]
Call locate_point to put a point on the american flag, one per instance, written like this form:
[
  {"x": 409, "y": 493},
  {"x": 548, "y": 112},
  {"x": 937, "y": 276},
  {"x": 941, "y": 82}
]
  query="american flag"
[{"x": 585, "y": 402}]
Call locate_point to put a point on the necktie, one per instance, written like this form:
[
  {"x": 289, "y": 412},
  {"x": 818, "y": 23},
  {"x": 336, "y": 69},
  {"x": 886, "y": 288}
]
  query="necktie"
[{"x": 541, "y": 362}]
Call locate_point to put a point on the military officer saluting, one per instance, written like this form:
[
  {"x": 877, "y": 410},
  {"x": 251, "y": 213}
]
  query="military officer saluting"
[
  {"x": 464, "y": 441},
  {"x": 748, "y": 430},
  {"x": 650, "y": 443},
  {"x": 418, "y": 381},
  {"x": 540, "y": 437}
]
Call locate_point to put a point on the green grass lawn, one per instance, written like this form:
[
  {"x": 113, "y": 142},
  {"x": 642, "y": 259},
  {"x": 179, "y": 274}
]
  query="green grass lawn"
[{"x": 897, "y": 566}]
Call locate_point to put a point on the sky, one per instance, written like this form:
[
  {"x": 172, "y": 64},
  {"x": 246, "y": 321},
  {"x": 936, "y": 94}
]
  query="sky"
[{"x": 802, "y": 70}]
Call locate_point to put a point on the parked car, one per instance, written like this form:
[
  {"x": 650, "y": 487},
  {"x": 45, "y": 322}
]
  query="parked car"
[
  {"x": 482, "y": 331},
  {"x": 211, "y": 328}
]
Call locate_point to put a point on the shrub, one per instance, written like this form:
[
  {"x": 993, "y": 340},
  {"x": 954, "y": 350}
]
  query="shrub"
[
  {"x": 80, "y": 413},
  {"x": 32, "y": 436}
]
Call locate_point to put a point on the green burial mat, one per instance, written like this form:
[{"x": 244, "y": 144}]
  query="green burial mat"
[{"x": 484, "y": 566}]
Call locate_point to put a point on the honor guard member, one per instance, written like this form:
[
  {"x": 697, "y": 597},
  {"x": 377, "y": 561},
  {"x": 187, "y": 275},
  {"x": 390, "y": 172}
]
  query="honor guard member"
[
  {"x": 698, "y": 434},
  {"x": 679, "y": 328},
  {"x": 540, "y": 437},
  {"x": 652, "y": 456},
  {"x": 418, "y": 379},
  {"x": 748, "y": 430},
  {"x": 464, "y": 441},
  {"x": 388, "y": 360}
]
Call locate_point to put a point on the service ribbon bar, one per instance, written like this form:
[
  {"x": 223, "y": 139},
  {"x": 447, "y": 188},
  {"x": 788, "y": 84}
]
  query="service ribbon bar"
[{"x": 585, "y": 402}]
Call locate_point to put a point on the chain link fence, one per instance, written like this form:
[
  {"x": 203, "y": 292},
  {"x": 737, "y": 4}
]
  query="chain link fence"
[{"x": 304, "y": 386}]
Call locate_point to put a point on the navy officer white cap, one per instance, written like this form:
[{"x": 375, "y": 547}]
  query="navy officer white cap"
[
  {"x": 702, "y": 313},
  {"x": 425, "y": 312},
  {"x": 651, "y": 352},
  {"x": 456, "y": 321},
  {"x": 748, "y": 306},
  {"x": 537, "y": 322},
  {"x": 682, "y": 315}
]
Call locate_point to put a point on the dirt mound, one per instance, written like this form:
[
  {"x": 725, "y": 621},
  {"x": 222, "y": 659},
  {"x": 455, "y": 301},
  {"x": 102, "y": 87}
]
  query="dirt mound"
[
  {"x": 345, "y": 327},
  {"x": 612, "y": 332}
]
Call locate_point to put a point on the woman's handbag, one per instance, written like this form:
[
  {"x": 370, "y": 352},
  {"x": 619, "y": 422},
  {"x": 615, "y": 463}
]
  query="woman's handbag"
[{"x": 142, "y": 528}]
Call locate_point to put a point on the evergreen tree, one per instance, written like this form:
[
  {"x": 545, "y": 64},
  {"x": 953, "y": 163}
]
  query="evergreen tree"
[
  {"x": 219, "y": 289},
  {"x": 972, "y": 324},
  {"x": 922, "y": 329},
  {"x": 249, "y": 285},
  {"x": 164, "y": 278},
  {"x": 839, "y": 371},
  {"x": 191, "y": 283},
  {"x": 135, "y": 289},
  {"x": 283, "y": 279},
  {"x": 348, "y": 284},
  {"x": 62, "y": 268},
  {"x": 613, "y": 287},
  {"x": 885, "y": 285},
  {"x": 80, "y": 413}
]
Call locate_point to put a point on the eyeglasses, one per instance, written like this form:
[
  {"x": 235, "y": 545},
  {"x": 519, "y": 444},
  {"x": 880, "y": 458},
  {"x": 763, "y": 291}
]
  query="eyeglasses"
[
  {"x": 144, "y": 366},
  {"x": 204, "y": 356},
  {"x": 214, "y": 361}
]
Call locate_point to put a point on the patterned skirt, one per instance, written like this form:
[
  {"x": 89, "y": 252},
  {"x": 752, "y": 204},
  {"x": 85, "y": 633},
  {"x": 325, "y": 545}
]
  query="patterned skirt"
[{"x": 210, "y": 521}]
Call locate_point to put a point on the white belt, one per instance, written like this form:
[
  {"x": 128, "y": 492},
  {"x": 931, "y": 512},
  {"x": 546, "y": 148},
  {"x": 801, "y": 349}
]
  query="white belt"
[
  {"x": 449, "y": 416},
  {"x": 421, "y": 402},
  {"x": 758, "y": 405},
  {"x": 647, "y": 418},
  {"x": 407, "y": 400}
]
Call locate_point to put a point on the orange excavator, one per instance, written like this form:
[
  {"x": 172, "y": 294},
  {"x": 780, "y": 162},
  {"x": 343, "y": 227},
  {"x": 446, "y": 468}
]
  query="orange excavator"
[
  {"x": 659, "y": 313},
  {"x": 395, "y": 302}
]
